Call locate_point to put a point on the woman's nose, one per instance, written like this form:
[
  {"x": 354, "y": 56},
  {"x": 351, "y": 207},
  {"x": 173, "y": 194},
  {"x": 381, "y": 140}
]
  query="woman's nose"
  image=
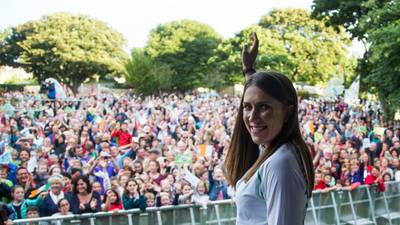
[{"x": 253, "y": 115}]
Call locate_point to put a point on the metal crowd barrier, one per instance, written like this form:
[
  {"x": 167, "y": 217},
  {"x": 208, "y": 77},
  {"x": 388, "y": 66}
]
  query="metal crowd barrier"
[{"x": 364, "y": 205}]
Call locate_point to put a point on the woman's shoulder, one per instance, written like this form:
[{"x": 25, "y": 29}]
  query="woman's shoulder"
[
  {"x": 282, "y": 154},
  {"x": 284, "y": 159},
  {"x": 282, "y": 169}
]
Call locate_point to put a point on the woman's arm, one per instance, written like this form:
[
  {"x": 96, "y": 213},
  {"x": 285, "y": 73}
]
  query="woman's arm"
[
  {"x": 284, "y": 191},
  {"x": 95, "y": 202},
  {"x": 127, "y": 203},
  {"x": 141, "y": 203},
  {"x": 249, "y": 57}
]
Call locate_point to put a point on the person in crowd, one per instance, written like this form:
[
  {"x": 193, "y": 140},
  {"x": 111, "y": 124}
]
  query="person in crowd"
[
  {"x": 122, "y": 133},
  {"x": 150, "y": 199},
  {"x": 63, "y": 210},
  {"x": 133, "y": 196},
  {"x": 49, "y": 206},
  {"x": 375, "y": 177},
  {"x": 154, "y": 172},
  {"x": 200, "y": 196},
  {"x": 83, "y": 199},
  {"x": 6, "y": 214},
  {"x": 24, "y": 179},
  {"x": 32, "y": 212},
  {"x": 19, "y": 204},
  {"x": 218, "y": 187},
  {"x": 63, "y": 206},
  {"x": 319, "y": 183},
  {"x": 5, "y": 184},
  {"x": 165, "y": 199},
  {"x": 112, "y": 201}
]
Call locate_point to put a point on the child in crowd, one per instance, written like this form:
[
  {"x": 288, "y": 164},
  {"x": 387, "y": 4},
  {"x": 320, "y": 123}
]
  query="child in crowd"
[
  {"x": 201, "y": 197},
  {"x": 375, "y": 177},
  {"x": 111, "y": 201},
  {"x": 133, "y": 196},
  {"x": 20, "y": 205}
]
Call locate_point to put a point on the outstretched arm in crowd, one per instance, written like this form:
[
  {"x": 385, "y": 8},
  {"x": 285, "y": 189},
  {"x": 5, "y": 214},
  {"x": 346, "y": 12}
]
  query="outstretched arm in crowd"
[
  {"x": 93, "y": 164},
  {"x": 317, "y": 156},
  {"x": 115, "y": 164},
  {"x": 129, "y": 152}
]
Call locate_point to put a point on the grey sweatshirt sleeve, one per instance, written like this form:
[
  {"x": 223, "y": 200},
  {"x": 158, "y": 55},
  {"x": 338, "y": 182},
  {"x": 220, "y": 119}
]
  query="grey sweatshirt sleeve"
[{"x": 284, "y": 189}]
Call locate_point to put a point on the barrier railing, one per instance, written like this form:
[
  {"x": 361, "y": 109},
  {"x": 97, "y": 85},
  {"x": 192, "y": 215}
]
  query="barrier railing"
[{"x": 364, "y": 205}]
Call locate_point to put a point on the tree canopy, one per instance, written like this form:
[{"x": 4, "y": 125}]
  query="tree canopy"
[
  {"x": 70, "y": 48},
  {"x": 186, "y": 46},
  {"x": 377, "y": 24},
  {"x": 291, "y": 42},
  {"x": 146, "y": 75}
]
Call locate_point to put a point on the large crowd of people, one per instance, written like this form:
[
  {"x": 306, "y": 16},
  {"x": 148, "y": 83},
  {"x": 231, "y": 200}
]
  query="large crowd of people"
[{"x": 104, "y": 153}]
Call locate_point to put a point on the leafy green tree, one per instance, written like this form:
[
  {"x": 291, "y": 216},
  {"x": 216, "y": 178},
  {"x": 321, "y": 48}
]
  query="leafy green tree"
[
  {"x": 383, "y": 58},
  {"x": 4, "y": 33},
  {"x": 291, "y": 42},
  {"x": 377, "y": 24},
  {"x": 146, "y": 75},
  {"x": 186, "y": 46},
  {"x": 70, "y": 48}
]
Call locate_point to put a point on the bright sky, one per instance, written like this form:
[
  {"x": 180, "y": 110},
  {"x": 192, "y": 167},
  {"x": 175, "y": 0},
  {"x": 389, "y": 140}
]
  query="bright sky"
[{"x": 134, "y": 19}]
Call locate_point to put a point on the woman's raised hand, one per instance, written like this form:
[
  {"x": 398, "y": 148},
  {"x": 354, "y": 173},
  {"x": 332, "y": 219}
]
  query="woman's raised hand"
[{"x": 249, "y": 56}]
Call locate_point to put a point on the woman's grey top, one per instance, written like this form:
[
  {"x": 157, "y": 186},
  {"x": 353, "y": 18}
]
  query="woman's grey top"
[{"x": 275, "y": 194}]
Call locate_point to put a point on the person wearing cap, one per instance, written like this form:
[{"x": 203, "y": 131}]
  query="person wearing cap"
[{"x": 55, "y": 194}]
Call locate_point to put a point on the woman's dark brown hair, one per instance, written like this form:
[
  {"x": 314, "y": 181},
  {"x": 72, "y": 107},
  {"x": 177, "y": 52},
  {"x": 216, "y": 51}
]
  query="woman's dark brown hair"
[
  {"x": 243, "y": 156},
  {"x": 84, "y": 179},
  {"x": 116, "y": 194},
  {"x": 126, "y": 192}
]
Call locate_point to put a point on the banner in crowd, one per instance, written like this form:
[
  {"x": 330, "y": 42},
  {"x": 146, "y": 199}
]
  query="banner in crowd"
[
  {"x": 191, "y": 178},
  {"x": 183, "y": 158},
  {"x": 334, "y": 87},
  {"x": 351, "y": 94}
]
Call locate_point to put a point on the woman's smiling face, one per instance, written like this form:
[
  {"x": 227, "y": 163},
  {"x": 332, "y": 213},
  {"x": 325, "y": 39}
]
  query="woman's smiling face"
[{"x": 263, "y": 115}]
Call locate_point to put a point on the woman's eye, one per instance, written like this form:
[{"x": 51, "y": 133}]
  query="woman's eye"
[
  {"x": 264, "y": 107},
  {"x": 247, "y": 107}
]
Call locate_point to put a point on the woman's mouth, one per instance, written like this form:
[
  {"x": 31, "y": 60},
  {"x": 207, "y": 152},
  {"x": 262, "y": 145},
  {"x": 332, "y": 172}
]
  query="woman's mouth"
[{"x": 257, "y": 129}]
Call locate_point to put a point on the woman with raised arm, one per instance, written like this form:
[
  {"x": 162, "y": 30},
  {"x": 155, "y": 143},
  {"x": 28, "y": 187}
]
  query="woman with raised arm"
[{"x": 268, "y": 161}]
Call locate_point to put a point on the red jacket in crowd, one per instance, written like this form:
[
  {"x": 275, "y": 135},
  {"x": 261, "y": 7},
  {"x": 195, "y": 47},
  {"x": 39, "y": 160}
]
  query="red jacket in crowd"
[
  {"x": 124, "y": 137},
  {"x": 370, "y": 179}
]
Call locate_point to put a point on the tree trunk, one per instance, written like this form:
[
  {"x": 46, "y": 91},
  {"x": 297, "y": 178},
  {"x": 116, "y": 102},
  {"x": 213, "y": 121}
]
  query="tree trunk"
[{"x": 385, "y": 108}]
